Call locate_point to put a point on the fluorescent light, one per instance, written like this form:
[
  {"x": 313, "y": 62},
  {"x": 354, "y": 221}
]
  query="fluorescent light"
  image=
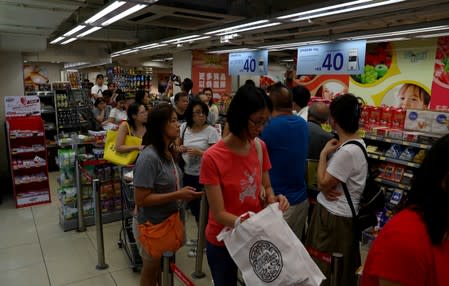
[
  {"x": 387, "y": 40},
  {"x": 324, "y": 9},
  {"x": 350, "y": 9},
  {"x": 433, "y": 35},
  {"x": 69, "y": 41},
  {"x": 237, "y": 27},
  {"x": 90, "y": 31},
  {"x": 250, "y": 28},
  {"x": 396, "y": 33},
  {"x": 105, "y": 11},
  {"x": 155, "y": 46},
  {"x": 231, "y": 51},
  {"x": 293, "y": 45},
  {"x": 57, "y": 40},
  {"x": 74, "y": 30},
  {"x": 193, "y": 40},
  {"x": 124, "y": 14},
  {"x": 180, "y": 39},
  {"x": 147, "y": 46}
]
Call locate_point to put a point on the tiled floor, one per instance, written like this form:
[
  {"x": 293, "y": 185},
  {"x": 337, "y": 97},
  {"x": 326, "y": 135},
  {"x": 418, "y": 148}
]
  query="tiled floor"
[{"x": 35, "y": 251}]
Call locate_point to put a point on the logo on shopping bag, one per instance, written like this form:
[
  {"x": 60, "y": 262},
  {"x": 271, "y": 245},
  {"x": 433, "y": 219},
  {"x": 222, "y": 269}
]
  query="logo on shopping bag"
[{"x": 266, "y": 260}]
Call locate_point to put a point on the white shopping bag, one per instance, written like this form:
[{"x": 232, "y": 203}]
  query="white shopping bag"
[{"x": 267, "y": 251}]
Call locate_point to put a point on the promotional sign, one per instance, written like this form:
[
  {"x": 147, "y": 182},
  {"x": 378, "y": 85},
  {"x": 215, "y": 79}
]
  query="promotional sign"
[
  {"x": 440, "y": 84},
  {"x": 17, "y": 106},
  {"x": 336, "y": 58},
  {"x": 250, "y": 63},
  {"x": 211, "y": 71},
  {"x": 397, "y": 74}
]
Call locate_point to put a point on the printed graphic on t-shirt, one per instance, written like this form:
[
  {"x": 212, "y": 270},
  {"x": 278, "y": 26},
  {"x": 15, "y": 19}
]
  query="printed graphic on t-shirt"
[{"x": 248, "y": 185}]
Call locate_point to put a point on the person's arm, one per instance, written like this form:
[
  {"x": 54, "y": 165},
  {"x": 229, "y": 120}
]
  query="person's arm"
[
  {"x": 216, "y": 204},
  {"x": 120, "y": 140},
  {"x": 326, "y": 182},
  {"x": 146, "y": 197}
]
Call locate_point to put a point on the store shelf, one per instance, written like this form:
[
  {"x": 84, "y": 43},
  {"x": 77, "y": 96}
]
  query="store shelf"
[
  {"x": 71, "y": 224},
  {"x": 28, "y": 152},
  {"x": 30, "y": 182},
  {"x": 29, "y": 167},
  {"x": 396, "y": 141},
  {"x": 396, "y": 161},
  {"x": 33, "y": 136},
  {"x": 393, "y": 184}
]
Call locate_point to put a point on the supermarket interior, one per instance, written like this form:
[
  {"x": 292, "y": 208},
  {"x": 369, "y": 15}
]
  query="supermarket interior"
[{"x": 63, "y": 59}]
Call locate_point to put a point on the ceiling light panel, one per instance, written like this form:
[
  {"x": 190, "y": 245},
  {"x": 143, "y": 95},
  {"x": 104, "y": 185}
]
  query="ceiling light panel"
[
  {"x": 68, "y": 41},
  {"x": 124, "y": 14},
  {"x": 180, "y": 39},
  {"x": 324, "y": 9},
  {"x": 90, "y": 31},
  {"x": 74, "y": 30},
  {"x": 250, "y": 28},
  {"x": 193, "y": 40},
  {"x": 346, "y": 10},
  {"x": 238, "y": 27},
  {"x": 104, "y": 12},
  {"x": 387, "y": 40},
  {"x": 57, "y": 40},
  {"x": 231, "y": 51}
]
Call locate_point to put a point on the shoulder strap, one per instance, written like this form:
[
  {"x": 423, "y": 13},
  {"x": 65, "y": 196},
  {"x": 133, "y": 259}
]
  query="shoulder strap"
[
  {"x": 345, "y": 187},
  {"x": 183, "y": 132},
  {"x": 355, "y": 142}
]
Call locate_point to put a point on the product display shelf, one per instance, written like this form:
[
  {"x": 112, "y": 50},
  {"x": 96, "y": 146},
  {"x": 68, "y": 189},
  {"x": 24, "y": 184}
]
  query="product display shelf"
[
  {"x": 74, "y": 110},
  {"x": 28, "y": 160},
  {"x": 71, "y": 186},
  {"x": 391, "y": 160},
  {"x": 396, "y": 141},
  {"x": 393, "y": 184}
]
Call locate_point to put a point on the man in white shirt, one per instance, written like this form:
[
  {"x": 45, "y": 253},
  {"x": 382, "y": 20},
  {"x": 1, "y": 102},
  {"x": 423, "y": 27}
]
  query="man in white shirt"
[
  {"x": 301, "y": 98},
  {"x": 97, "y": 90}
]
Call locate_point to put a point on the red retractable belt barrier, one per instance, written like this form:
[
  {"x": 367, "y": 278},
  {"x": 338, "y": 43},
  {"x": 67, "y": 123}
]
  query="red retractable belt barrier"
[
  {"x": 181, "y": 276},
  {"x": 325, "y": 257}
]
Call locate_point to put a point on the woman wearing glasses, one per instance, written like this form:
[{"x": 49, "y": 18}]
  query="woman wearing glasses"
[
  {"x": 196, "y": 137},
  {"x": 233, "y": 179}
]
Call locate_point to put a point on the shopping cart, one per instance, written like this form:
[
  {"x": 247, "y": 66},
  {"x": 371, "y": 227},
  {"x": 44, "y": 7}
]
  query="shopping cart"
[{"x": 126, "y": 236}]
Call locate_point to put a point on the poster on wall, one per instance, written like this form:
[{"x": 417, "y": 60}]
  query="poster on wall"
[
  {"x": 18, "y": 106},
  {"x": 440, "y": 84},
  {"x": 397, "y": 74},
  {"x": 35, "y": 77},
  {"x": 211, "y": 70},
  {"x": 325, "y": 87}
]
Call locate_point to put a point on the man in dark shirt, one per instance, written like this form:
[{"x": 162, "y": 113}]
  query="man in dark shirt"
[
  {"x": 181, "y": 103},
  {"x": 318, "y": 115}
]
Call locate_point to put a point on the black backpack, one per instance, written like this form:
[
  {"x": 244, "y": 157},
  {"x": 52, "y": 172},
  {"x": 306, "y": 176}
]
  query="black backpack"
[{"x": 371, "y": 201}]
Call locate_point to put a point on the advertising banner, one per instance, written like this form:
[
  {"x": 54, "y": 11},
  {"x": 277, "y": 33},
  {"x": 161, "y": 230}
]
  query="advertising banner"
[
  {"x": 18, "y": 106},
  {"x": 397, "y": 74},
  {"x": 440, "y": 84},
  {"x": 336, "y": 58},
  {"x": 249, "y": 63},
  {"x": 210, "y": 70}
]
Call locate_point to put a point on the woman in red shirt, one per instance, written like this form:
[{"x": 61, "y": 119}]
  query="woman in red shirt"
[
  {"x": 413, "y": 248},
  {"x": 232, "y": 175}
]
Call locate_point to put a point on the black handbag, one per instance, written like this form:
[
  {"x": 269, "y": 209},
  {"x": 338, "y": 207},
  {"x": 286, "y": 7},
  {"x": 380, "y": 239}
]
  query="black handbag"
[{"x": 181, "y": 162}]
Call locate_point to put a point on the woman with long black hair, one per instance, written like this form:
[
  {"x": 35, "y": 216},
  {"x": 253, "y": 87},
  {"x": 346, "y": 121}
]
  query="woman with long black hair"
[{"x": 157, "y": 184}]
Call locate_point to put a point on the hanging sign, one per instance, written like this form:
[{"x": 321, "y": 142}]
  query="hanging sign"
[
  {"x": 17, "y": 106},
  {"x": 336, "y": 58},
  {"x": 249, "y": 63}
]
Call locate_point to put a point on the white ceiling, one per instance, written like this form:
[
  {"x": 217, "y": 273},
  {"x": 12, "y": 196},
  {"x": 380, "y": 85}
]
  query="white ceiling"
[{"x": 171, "y": 18}]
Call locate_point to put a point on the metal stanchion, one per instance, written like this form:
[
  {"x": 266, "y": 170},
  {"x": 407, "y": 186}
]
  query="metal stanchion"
[
  {"x": 198, "y": 273},
  {"x": 79, "y": 195},
  {"x": 336, "y": 269},
  {"x": 99, "y": 226},
  {"x": 167, "y": 274}
]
